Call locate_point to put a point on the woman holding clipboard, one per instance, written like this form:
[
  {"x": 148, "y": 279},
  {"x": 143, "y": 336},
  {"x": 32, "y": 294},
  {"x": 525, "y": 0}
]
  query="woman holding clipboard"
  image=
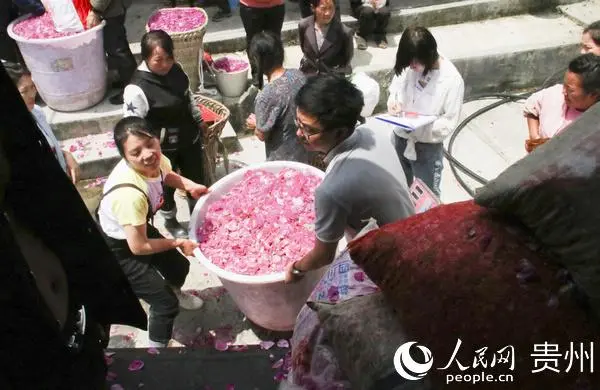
[{"x": 425, "y": 84}]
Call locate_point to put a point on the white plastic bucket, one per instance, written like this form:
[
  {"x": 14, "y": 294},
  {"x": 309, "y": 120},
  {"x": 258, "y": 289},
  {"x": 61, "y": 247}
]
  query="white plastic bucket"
[
  {"x": 69, "y": 72},
  {"x": 232, "y": 84},
  {"x": 265, "y": 299}
]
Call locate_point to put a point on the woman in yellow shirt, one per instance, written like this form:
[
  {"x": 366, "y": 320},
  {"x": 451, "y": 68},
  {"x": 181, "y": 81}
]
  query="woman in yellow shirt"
[{"x": 132, "y": 194}]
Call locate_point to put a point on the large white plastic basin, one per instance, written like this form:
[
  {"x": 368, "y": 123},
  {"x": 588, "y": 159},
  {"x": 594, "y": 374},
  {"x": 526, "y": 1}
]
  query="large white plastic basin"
[
  {"x": 265, "y": 299},
  {"x": 69, "y": 72}
]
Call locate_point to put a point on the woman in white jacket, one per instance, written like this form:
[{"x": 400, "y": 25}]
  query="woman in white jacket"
[{"x": 425, "y": 83}]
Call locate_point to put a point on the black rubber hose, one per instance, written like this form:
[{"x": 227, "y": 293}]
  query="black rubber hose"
[{"x": 456, "y": 165}]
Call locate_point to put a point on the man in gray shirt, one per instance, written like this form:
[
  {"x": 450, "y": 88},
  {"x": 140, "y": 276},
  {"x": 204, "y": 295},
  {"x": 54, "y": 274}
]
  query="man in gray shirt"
[{"x": 364, "y": 177}]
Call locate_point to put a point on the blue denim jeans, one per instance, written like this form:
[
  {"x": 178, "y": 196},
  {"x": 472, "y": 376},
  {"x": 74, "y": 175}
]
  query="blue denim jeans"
[{"x": 428, "y": 165}]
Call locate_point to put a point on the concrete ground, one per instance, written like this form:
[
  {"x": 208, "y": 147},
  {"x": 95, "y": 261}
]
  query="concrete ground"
[
  {"x": 488, "y": 145},
  {"x": 141, "y": 10}
]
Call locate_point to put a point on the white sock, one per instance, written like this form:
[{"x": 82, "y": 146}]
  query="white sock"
[{"x": 156, "y": 344}]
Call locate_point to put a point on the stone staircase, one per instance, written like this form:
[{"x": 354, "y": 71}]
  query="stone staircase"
[{"x": 497, "y": 45}]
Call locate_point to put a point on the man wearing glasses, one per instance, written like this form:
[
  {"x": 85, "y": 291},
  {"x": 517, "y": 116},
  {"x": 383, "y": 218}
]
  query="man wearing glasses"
[{"x": 364, "y": 177}]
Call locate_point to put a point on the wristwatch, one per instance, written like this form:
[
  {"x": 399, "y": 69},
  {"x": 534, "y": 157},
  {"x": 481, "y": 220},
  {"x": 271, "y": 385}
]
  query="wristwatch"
[{"x": 296, "y": 271}]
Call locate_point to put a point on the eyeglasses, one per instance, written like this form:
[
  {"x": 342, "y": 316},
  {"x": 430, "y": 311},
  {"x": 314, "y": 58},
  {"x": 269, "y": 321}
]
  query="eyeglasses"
[{"x": 306, "y": 130}]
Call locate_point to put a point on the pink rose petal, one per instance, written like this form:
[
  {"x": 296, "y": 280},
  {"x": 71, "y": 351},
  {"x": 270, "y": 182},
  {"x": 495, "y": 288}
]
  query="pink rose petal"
[
  {"x": 153, "y": 351},
  {"x": 108, "y": 360},
  {"x": 283, "y": 343},
  {"x": 238, "y": 348},
  {"x": 39, "y": 27},
  {"x": 230, "y": 387},
  {"x": 230, "y": 64},
  {"x": 265, "y": 345},
  {"x": 270, "y": 218},
  {"x": 116, "y": 386},
  {"x": 185, "y": 19},
  {"x": 277, "y": 364},
  {"x": 221, "y": 345},
  {"x": 111, "y": 376},
  {"x": 135, "y": 365},
  {"x": 359, "y": 276}
]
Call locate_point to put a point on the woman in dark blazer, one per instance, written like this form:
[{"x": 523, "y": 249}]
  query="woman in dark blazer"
[{"x": 326, "y": 43}]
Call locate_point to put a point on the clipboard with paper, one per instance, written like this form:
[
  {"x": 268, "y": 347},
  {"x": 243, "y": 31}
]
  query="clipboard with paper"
[{"x": 407, "y": 123}]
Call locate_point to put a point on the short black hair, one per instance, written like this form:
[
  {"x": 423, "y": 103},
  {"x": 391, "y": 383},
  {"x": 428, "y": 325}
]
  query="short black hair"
[
  {"x": 266, "y": 52},
  {"x": 333, "y": 100},
  {"x": 154, "y": 39},
  {"x": 416, "y": 43},
  {"x": 316, "y": 3},
  {"x": 594, "y": 31},
  {"x": 588, "y": 67},
  {"x": 131, "y": 125},
  {"x": 16, "y": 71}
]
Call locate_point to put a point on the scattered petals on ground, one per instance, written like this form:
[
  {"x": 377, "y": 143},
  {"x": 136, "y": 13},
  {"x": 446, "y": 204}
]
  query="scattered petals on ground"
[
  {"x": 262, "y": 224},
  {"x": 221, "y": 345},
  {"x": 283, "y": 343},
  {"x": 92, "y": 146},
  {"x": 97, "y": 182},
  {"x": 266, "y": 344},
  {"x": 135, "y": 365}
]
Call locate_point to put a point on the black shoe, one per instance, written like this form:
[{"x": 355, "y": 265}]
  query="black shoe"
[
  {"x": 220, "y": 15},
  {"x": 176, "y": 230},
  {"x": 117, "y": 84},
  {"x": 117, "y": 98}
]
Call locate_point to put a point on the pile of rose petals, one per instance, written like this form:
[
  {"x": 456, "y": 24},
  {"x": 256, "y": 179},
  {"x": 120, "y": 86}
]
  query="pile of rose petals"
[
  {"x": 262, "y": 224},
  {"x": 91, "y": 146},
  {"x": 178, "y": 20},
  {"x": 230, "y": 64},
  {"x": 39, "y": 27}
]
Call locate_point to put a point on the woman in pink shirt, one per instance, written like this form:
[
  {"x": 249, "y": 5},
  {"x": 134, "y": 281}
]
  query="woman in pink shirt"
[
  {"x": 258, "y": 16},
  {"x": 551, "y": 110}
]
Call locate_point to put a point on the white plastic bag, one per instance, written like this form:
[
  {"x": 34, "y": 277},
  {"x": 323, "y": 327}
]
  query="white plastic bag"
[
  {"x": 64, "y": 15},
  {"x": 370, "y": 89}
]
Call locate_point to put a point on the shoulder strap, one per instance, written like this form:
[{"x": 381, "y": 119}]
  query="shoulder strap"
[{"x": 128, "y": 185}]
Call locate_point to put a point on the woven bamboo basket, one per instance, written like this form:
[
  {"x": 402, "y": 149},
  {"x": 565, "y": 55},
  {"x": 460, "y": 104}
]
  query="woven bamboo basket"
[
  {"x": 187, "y": 45},
  {"x": 212, "y": 138}
]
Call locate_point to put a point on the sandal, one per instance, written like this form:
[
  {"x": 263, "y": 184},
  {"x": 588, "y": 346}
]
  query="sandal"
[
  {"x": 361, "y": 43},
  {"x": 382, "y": 44}
]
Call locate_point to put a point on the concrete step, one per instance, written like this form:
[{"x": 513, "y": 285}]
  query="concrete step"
[
  {"x": 533, "y": 47},
  {"x": 229, "y": 35},
  {"x": 95, "y": 153},
  {"x": 584, "y": 12},
  {"x": 487, "y": 145}
]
